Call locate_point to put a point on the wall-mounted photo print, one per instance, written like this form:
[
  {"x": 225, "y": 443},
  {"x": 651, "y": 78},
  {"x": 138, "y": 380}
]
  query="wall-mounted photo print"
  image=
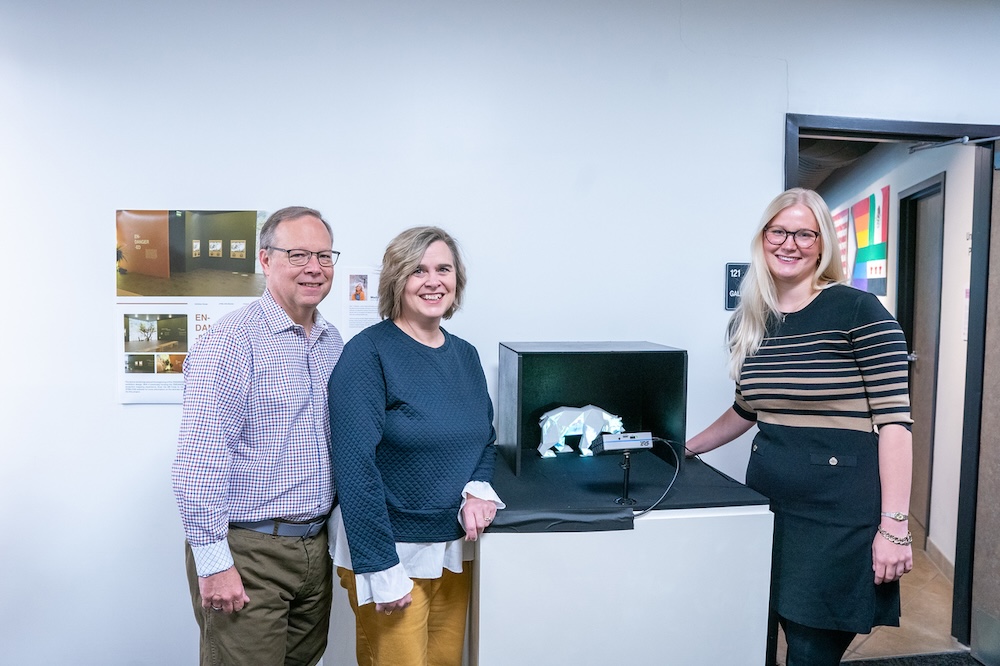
[
  {"x": 183, "y": 253},
  {"x": 140, "y": 363},
  {"x": 360, "y": 307},
  {"x": 359, "y": 288},
  {"x": 193, "y": 265},
  {"x": 156, "y": 333},
  {"x": 170, "y": 363}
]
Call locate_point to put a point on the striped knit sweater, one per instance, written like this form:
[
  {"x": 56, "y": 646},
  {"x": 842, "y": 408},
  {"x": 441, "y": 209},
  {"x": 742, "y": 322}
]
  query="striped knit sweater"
[{"x": 840, "y": 362}]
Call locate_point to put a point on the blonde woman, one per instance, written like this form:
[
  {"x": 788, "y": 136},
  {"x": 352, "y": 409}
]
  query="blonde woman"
[{"x": 821, "y": 369}]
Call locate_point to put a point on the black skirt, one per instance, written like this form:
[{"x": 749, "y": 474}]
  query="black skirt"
[{"x": 825, "y": 494}]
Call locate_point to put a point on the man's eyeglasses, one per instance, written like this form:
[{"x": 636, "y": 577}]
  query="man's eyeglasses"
[
  {"x": 301, "y": 257},
  {"x": 804, "y": 238}
]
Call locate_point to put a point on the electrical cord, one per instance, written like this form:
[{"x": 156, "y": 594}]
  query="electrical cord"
[{"x": 677, "y": 469}]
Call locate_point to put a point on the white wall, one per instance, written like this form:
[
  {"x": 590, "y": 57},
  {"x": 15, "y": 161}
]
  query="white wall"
[
  {"x": 600, "y": 162},
  {"x": 893, "y": 165}
]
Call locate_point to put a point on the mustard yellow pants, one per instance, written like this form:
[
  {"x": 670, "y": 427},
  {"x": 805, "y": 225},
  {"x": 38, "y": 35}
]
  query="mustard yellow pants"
[{"x": 429, "y": 632}]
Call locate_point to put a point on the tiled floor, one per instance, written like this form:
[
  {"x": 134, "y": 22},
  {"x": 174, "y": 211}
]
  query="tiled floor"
[
  {"x": 199, "y": 282},
  {"x": 925, "y": 625}
]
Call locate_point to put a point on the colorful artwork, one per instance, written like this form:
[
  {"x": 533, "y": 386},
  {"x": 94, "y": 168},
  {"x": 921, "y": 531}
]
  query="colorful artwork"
[
  {"x": 871, "y": 228},
  {"x": 865, "y": 252},
  {"x": 842, "y": 223}
]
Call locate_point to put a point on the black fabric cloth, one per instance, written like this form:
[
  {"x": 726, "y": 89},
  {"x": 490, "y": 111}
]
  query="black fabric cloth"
[{"x": 571, "y": 493}]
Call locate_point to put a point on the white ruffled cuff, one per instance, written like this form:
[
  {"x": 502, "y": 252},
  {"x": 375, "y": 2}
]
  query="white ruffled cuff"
[
  {"x": 383, "y": 586},
  {"x": 482, "y": 490}
]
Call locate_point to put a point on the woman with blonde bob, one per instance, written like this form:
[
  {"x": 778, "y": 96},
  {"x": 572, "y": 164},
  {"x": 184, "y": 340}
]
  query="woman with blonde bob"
[
  {"x": 821, "y": 369},
  {"x": 412, "y": 447}
]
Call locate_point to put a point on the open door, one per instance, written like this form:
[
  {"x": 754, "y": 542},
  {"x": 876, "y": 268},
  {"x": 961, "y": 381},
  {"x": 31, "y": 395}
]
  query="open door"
[
  {"x": 974, "y": 436},
  {"x": 918, "y": 309}
]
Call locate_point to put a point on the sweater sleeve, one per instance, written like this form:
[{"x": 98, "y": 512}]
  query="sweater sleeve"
[
  {"x": 880, "y": 352},
  {"x": 357, "y": 395},
  {"x": 487, "y": 461},
  {"x": 742, "y": 407}
]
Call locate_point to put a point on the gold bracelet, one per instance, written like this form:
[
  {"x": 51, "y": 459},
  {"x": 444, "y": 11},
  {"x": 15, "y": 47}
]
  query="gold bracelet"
[{"x": 899, "y": 541}]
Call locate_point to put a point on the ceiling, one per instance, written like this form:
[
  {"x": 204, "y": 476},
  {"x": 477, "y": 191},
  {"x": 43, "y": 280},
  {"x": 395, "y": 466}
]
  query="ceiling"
[
  {"x": 823, "y": 153},
  {"x": 820, "y": 157}
]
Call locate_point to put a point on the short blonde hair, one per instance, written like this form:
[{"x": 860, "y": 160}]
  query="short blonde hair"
[{"x": 402, "y": 256}]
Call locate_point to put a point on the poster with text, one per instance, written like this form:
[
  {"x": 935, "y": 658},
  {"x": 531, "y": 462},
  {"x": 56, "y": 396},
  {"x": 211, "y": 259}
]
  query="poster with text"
[
  {"x": 360, "y": 305},
  {"x": 168, "y": 292}
]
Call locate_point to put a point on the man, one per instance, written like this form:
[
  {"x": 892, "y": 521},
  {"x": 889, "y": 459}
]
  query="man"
[{"x": 252, "y": 475}]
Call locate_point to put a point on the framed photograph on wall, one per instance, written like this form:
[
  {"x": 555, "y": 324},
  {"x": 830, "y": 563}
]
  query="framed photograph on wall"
[
  {"x": 215, "y": 248},
  {"x": 238, "y": 249},
  {"x": 196, "y": 248}
]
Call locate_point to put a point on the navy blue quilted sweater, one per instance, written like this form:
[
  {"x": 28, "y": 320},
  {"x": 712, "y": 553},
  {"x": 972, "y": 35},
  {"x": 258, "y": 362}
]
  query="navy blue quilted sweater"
[{"x": 410, "y": 426}]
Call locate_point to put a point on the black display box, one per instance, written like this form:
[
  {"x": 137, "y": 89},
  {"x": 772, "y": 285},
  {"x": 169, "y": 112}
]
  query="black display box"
[{"x": 642, "y": 382}]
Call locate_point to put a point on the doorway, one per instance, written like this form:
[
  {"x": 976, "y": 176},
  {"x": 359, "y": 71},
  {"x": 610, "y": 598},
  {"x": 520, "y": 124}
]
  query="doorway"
[
  {"x": 918, "y": 308},
  {"x": 861, "y": 129}
]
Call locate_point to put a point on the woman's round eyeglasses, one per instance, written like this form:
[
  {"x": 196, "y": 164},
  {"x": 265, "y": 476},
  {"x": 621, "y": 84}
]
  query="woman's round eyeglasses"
[{"x": 804, "y": 238}]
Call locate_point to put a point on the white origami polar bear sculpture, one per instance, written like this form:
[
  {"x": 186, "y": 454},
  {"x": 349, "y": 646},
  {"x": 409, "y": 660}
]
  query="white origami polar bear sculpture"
[{"x": 588, "y": 422}]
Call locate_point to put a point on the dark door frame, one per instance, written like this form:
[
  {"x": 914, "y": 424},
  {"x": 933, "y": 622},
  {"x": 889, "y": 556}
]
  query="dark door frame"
[
  {"x": 833, "y": 126},
  {"x": 906, "y": 296},
  {"x": 908, "y": 248}
]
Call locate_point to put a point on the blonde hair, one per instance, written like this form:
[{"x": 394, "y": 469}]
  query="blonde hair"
[
  {"x": 402, "y": 256},
  {"x": 758, "y": 298}
]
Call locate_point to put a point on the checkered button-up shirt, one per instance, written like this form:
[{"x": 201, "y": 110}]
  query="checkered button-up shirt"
[{"x": 255, "y": 430}]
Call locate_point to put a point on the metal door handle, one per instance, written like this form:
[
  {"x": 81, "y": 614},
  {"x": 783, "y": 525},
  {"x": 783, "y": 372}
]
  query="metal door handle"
[{"x": 911, "y": 357}]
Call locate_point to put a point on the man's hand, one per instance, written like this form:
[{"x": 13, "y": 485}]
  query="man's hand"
[{"x": 223, "y": 592}]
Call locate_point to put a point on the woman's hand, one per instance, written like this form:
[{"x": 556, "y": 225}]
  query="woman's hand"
[
  {"x": 895, "y": 469},
  {"x": 725, "y": 429},
  {"x": 889, "y": 560},
  {"x": 398, "y": 604},
  {"x": 477, "y": 514}
]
